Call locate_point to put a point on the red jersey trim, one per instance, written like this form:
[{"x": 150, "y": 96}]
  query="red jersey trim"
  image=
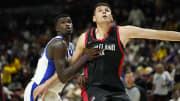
[
  {"x": 92, "y": 34},
  {"x": 84, "y": 94},
  {"x": 105, "y": 37},
  {"x": 122, "y": 60},
  {"x": 83, "y": 91},
  {"x": 85, "y": 71}
]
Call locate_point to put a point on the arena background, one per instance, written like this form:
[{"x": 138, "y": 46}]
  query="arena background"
[{"x": 27, "y": 25}]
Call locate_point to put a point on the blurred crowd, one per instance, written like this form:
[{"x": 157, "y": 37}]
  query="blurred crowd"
[{"x": 155, "y": 64}]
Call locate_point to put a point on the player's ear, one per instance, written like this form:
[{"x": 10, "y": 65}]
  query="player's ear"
[
  {"x": 57, "y": 29},
  {"x": 57, "y": 26},
  {"x": 94, "y": 19}
]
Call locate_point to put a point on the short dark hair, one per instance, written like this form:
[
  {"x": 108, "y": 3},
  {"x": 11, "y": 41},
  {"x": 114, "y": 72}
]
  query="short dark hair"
[
  {"x": 101, "y": 4},
  {"x": 62, "y": 15},
  {"x": 57, "y": 17}
]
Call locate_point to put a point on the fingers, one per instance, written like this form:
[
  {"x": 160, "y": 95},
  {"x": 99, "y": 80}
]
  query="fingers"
[
  {"x": 81, "y": 81},
  {"x": 92, "y": 53},
  {"x": 43, "y": 96},
  {"x": 35, "y": 94},
  {"x": 98, "y": 53},
  {"x": 95, "y": 51}
]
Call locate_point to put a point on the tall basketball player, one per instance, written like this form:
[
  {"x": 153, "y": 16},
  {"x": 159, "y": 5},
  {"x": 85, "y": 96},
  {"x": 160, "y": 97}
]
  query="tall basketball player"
[
  {"x": 103, "y": 73},
  {"x": 55, "y": 59}
]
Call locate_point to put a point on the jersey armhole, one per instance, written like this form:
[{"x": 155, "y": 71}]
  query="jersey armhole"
[
  {"x": 119, "y": 41},
  {"x": 121, "y": 49},
  {"x": 86, "y": 34}
]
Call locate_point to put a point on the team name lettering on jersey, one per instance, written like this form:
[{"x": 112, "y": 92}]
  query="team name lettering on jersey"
[{"x": 110, "y": 47}]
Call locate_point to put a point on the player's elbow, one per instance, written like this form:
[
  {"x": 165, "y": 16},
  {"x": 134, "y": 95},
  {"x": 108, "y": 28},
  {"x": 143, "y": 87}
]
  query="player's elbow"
[{"x": 62, "y": 78}]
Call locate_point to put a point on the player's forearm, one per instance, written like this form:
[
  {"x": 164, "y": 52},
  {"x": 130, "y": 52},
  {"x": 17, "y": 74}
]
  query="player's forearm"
[
  {"x": 137, "y": 32},
  {"x": 70, "y": 71},
  {"x": 169, "y": 35},
  {"x": 163, "y": 35},
  {"x": 52, "y": 80},
  {"x": 74, "y": 59}
]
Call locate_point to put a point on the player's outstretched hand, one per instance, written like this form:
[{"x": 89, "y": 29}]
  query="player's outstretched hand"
[{"x": 92, "y": 53}]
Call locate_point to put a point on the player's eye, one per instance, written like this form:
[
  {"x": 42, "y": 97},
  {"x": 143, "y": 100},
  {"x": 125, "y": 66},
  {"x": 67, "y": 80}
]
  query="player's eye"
[
  {"x": 107, "y": 10},
  {"x": 69, "y": 21},
  {"x": 100, "y": 10}
]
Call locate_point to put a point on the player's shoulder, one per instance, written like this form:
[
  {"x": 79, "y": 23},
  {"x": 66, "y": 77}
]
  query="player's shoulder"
[
  {"x": 126, "y": 27},
  {"x": 82, "y": 40},
  {"x": 58, "y": 43},
  {"x": 129, "y": 29},
  {"x": 83, "y": 36}
]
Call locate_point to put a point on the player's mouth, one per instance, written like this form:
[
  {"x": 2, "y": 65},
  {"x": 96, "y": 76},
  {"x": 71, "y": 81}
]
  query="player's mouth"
[
  {"x": 69, "y": 29},
  {"x": 104, "y": 16}
]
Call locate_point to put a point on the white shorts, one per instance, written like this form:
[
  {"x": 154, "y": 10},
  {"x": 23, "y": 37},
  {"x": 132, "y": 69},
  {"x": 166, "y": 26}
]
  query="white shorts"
[{"x": 28, "y": 94}]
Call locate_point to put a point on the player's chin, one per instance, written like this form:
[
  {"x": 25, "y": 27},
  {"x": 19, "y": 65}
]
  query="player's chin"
[
  {"x": 106, "y": 21},
  {"x": 69, "y": 32}
]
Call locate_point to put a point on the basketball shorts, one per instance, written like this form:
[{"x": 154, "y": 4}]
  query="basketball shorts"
[
  {"x": 100, "y": 94},
  {"x": 50, "y": 95}
]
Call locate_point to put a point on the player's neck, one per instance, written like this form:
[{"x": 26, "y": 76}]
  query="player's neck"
[
  {"x": 102, "y": 29},
  {"x": 67, "y": 38}
]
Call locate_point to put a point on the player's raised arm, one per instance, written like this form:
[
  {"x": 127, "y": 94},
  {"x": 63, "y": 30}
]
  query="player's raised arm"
[
  {"x": 136, "y": 32},
  {"x": 79, "y": 49}
]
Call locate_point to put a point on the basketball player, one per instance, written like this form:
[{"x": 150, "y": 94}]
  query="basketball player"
[
  {"x": 55, "y": 59},
  {"x": 103, "y": 73}
]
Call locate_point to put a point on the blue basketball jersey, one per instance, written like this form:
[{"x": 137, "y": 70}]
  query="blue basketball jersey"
[{"x": 46, "y": 67}]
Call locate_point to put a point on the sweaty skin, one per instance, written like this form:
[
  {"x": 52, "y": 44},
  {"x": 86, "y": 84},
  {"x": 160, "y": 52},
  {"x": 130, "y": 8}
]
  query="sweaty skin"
[
  {"x": 103, "y": 19},
  {"x": 57, "y": 51}
]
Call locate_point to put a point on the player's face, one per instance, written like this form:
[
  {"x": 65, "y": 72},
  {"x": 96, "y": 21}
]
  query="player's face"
[
  {"x": 102, "y": 14},
  {"x": 129, "y": 79},
  {"x": 64, "y": 25}
]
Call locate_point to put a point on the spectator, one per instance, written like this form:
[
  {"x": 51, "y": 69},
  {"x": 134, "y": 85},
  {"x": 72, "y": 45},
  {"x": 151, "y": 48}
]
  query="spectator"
[
  {"x": 161, "y": 53},
  {"x": 161, "y": 80},
  {"x": 139, "y": 80},
  {"x": 136, "y": 17},
  {"x": 136, "y": 93},
  {"x": 9, "y": 69}
]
